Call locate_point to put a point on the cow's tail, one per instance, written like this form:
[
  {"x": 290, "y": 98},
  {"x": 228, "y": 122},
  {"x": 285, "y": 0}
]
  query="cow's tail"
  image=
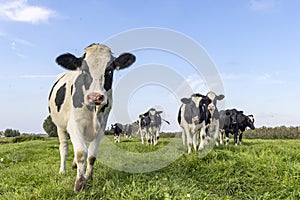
[{"x": 166, "y": 121}]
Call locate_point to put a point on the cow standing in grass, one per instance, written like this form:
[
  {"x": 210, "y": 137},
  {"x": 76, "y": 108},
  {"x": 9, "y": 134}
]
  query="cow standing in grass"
[
  {"x": 212, "y": 120},
  {"x": 80, "y": 102},
  {"x": 191, "y": 118},
  {"x": 150, "y": 124}
]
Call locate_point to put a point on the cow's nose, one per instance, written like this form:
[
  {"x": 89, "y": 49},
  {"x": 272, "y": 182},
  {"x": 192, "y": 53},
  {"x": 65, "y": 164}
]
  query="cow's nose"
[
  {"x": 211, "y": 106},
  {"x": 95, "y": 98}
]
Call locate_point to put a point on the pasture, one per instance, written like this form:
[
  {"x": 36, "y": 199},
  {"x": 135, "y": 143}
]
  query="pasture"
[{"x": 259, "y": 169}]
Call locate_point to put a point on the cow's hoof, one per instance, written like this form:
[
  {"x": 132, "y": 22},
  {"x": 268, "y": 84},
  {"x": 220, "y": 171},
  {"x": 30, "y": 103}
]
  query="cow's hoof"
[{"x": 80, "y": 184}]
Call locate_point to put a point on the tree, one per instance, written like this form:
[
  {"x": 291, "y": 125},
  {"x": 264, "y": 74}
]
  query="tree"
[
  {"x": 50, "y": 127},
  {"x": 11, "y": 133}
]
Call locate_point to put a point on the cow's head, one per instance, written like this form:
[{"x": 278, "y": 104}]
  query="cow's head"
[
  {"x": 214, "y": 98},
  {"x": 194, "y": 107},
  {"x": 155, "y": 118},
  {"x": 250, "y": 121},
  {"x": 232, "y": 115},
  {"x": 97, "y": 66}
]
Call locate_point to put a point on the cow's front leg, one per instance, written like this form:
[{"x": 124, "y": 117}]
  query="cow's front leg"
[
  {"x": 216, "y": 135},
  {"x": 189, "y": 139},
  {"x": 195, "y": 139},
  {"x": 221, "y": 135},
  {"x": 63, "y": 149},
  {"x": 240, "y": 137},
  {"x": 202, "y": 138},
  {"x": 93, "y": 152},
  {"x": 235, "y": 138},
  {"x": 80, "y": 157},
  {"x": 227, "y": 138}
]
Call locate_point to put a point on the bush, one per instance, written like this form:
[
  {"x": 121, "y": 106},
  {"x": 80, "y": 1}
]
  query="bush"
[
  {"x": 50, "y": 127},
  {"x": 11, "y": 133}
]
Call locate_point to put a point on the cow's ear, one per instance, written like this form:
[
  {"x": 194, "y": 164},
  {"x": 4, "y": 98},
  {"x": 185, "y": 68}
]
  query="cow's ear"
[
  {"x": 69, "y": 61},
  {"x": 228, "y": 112},
  {"x": 186, "y": 100},
  {"x": 124, "y": 60},
  {"x": 220, "y": 97},
  {"x": 159, "y": 112}
]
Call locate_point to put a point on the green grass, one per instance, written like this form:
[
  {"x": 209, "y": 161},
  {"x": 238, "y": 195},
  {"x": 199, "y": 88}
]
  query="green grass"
[{"x": 259, "y": 169}]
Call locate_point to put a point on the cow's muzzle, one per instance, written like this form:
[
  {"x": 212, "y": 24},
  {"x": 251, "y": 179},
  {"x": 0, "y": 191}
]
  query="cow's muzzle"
[
  {"x": 95, "y": 98},
  {"x": 211, "y": 107}
]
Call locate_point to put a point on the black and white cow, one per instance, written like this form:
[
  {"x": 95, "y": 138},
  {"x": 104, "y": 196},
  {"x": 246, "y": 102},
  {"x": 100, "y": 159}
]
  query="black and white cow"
[
  {"x": 127, "y": 130},
  {"x": 244, "y": 121},
  {"x": 144, "y": 122},
  {"x": 228, "y": 124},
  {"x": 235, "y": 122},
  {"x": 117, "y": 128},
  {"x": 150, "y": 124},
  {"x": 212, "y": 121},
  {"x": 191, "y": 118},
  {"x": 80, "y": 102}
]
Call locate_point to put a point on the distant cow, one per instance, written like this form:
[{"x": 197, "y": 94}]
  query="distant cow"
[
  {"x": 150, "y": 124},
  {"x": 191, "y": 118},
  {"x": 117, "y": 128},
  {"x": 80, "y": 102},
  {"x": 127, "y": 130},
  {"x": 144, "y": 122},
  {"x": 244, "y": 121},
  {"x": 235, "y": 122},
  {"x": 212, "y": 118}
]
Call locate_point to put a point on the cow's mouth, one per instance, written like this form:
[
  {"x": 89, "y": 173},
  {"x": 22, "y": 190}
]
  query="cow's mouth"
[{"x": 95, "y": 99}]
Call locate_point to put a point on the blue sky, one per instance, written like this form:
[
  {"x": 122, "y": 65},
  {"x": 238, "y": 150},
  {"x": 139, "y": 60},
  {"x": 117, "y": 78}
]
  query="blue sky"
[{"x": 254, "y": 44}]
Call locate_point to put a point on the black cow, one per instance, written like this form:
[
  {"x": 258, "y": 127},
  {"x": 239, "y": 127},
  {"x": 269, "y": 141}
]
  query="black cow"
[
  {"x": 244, "y": 121},
  {"x": 234, "y": 122},
  {"x": 117, "y": 128}
]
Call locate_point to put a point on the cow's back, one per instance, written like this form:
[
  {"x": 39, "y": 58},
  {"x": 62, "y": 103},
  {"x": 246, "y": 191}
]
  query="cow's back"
[{"x": 60, "y": 98}]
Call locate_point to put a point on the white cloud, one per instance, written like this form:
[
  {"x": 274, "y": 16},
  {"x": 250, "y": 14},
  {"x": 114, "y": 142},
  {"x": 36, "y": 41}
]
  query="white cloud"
[
  {"x": 20, "y": 10},
  {"x": 263, "y": 5}
]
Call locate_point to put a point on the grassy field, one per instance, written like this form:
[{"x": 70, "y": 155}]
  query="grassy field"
[{"x": 259, "y": 169}]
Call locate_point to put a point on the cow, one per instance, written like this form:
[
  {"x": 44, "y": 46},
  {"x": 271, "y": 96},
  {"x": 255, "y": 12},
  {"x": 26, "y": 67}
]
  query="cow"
[
  {"x": 79, "y": 104},
  {"x": 150, "y": 124},
  {"x": 235, "y": 122},
  {"x": 212, "y": 117},
  {"x": 191, "y": 118},
  {"x": 127, "y": 130},
  {"x": 244, "y": 121},
  {"x": 117, "y": 128},
  {"x": 144, "y": 122},
  {"x": 228, "y": 124}
]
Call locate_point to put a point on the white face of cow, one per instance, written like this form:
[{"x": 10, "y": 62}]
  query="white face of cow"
[
  {"x": 97, "y": 65},
  {"x": 98, "y": 71},
  {"x": 213, "y": 97}
]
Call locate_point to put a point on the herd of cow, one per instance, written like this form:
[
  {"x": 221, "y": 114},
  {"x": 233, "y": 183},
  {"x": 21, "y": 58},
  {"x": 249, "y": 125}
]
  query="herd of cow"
[
  {"x": 197, "y": 116},
  {"x": 81, "y": 99}
]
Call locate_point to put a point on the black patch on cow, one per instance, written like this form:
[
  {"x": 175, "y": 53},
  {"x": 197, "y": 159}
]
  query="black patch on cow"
[
  {"x": 71, "y": 89},
  {"x": 108, "y": 77},
  {"x": 54, "y": 86},
  {"x": 103, "y": 107},
  {"x": 60, "y": 96},
  {"x": 49, "y": 109},
  {"x": 179, "y": 115},
  {"x": 83, "y": 80}
]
